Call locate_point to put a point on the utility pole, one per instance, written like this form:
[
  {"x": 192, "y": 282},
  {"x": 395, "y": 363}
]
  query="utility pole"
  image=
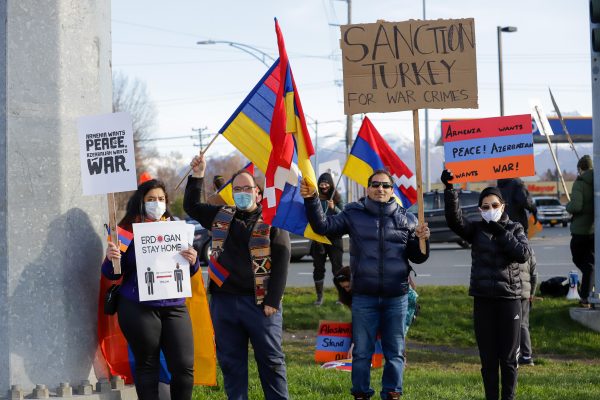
[
  {"x": 200, "y": 136},
  {"x": 201, "y": 144}
]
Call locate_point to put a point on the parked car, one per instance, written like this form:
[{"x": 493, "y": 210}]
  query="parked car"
[
  {"x": 550, "y": 211},
  {"x": 301, "y": 246},
  {"x": 202, "y": 241},
  {"x": 433, "y": 203}
]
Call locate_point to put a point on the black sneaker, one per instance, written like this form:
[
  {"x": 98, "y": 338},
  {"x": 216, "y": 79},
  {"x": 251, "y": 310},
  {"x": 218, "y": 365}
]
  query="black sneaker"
[{"x": 526, "y": 361}]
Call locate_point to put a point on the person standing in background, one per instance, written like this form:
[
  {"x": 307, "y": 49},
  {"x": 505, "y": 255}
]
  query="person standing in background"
[
  {"x": 332, "y": 204},
  {"x": 518, "y": 201},
  {"x": 529, "y": 278},
  {"x": 582, "y": 225}
]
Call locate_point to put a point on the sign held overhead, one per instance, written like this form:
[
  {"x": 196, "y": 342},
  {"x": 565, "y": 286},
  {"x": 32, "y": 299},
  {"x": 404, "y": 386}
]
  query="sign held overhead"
[{"x": 397, "y": 66}]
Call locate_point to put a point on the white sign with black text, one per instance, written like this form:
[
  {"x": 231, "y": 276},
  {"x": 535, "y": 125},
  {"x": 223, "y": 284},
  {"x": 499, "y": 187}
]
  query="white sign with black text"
[
  {"x": 107, "y": 154},
  {"x": 162, "y": 272}
]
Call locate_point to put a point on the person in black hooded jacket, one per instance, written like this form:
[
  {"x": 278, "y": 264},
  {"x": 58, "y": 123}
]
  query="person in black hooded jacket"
[
  {"x": 499, "y": 245},
  {"x": 332, "y": 204}
]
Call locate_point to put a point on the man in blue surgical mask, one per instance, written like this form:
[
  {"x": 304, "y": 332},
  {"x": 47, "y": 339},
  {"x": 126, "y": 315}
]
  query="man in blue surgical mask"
[{"x": 248, "y": 271}]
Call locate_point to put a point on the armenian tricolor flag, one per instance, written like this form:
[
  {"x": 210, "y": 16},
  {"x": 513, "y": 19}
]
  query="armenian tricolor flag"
[
  {"x": 371, "y": 152},
  {"x": 125, "y": 238}
]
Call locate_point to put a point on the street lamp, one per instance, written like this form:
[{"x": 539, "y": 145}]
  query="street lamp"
[
  {"x": 253, "y": 51},
  {"x": 500, "y": 30}
]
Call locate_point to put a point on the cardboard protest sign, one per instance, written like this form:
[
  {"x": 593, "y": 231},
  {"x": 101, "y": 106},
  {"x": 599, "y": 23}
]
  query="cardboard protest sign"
[
  {"x": 396, "y": 66},
  {"x": 489, "y": 148},
  {"x": 107, "y": 154},
  {"x": 334, "y": 340},
  {"x": 161, "y": 271}
]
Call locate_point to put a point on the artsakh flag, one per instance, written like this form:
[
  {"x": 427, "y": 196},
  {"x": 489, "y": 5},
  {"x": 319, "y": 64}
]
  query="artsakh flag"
[
  {"x": 249, "y": 130},
  {"x": 371, "y": 152},
  {"x": 289, "y": 160}
]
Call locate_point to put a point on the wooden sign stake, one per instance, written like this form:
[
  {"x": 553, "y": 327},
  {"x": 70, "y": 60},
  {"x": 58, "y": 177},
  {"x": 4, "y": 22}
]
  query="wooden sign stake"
[
  {"x": 112, "y": 224},
  {"x": 415, "y": 113}
]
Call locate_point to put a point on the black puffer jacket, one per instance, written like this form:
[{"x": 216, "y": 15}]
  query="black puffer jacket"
[
  {"x": 382, "y": 240},
  {"x": 495, "y": 259}
]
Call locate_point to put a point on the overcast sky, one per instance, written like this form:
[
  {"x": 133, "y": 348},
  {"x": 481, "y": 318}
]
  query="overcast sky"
[{"x": 200, "y": 86}]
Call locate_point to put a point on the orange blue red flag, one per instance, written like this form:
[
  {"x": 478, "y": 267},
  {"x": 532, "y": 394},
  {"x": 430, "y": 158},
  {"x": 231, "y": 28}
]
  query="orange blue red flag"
[{"x": 371, "y": 152}]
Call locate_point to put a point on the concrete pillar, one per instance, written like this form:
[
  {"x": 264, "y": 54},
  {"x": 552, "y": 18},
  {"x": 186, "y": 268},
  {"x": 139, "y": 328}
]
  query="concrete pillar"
[{"x": 55, "y": 65}]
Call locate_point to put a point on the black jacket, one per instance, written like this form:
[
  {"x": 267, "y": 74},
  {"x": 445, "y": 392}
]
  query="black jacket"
[
  {"x": 495, "y": 258},
  {"x": 518, "y": 200},
  {"x": 236, "y": 253},
  {"x": 382, "y": 240}
]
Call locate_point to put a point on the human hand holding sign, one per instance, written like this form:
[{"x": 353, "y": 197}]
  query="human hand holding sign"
[
  {"x": 446, "y": 177},
  {"x": 190, "y": 254},
  {"x": 422, "y": 231},
  {"x": 113, "y": 252}
]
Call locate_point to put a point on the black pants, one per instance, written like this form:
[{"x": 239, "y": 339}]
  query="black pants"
[
  {"x": 150, "y": 329},
  {"x": 319, "y": 253},
  {"x": 582, "y": 251},
  {"x": 497, "y": 330}
]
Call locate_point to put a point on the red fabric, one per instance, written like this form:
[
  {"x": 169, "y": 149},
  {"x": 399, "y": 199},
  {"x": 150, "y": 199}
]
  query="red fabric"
[
  {"x": 111, "y": 341},
  {"x": 281, "y": 141}
]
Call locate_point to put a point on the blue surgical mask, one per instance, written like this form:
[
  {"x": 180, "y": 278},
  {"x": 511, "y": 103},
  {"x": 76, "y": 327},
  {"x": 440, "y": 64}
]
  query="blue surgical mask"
[{"x": 243, "y": 200}]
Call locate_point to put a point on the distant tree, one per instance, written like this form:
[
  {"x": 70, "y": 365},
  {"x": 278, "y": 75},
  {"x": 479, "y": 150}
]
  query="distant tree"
[
  {"x": 552, "y": 175},
  {"x": 131, "y": 95}
]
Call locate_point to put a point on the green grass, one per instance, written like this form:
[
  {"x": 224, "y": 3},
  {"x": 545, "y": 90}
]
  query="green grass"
[{"x": 442, "y": 357}]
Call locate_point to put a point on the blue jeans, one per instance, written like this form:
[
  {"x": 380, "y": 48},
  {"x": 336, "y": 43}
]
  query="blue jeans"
[
  {"x": 237, "y": 319},
  {"x": 386, "y": 315}
]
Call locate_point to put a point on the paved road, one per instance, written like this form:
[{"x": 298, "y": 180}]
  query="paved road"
[{"x": 450, "y": 265}]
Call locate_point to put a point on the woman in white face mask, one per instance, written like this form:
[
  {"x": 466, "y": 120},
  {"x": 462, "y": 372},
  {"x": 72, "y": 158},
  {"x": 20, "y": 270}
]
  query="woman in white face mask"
[
  {"x": 152, "y": 326},
  {"x": 499, "y": 245}
]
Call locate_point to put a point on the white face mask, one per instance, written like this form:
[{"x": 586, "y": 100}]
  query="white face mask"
[
  {"x": 492, "y": 214},
  {"x": 155, "y": 209}
]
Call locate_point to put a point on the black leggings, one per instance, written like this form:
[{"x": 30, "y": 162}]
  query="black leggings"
[
  {"x": 497, "y": 330},
  {"x": 150, "y": 329}
]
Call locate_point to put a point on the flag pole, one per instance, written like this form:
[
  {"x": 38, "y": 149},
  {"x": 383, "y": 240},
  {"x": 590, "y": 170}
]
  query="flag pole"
[
  {"x": 335, "y": 187},
  {"x": 564, "y": 125},
  {"x": 415, "y": 115},
  {"x": 201, "y": 153},
  {"x": 114, "y": 235},
  {"x": 543, "y": 130}
]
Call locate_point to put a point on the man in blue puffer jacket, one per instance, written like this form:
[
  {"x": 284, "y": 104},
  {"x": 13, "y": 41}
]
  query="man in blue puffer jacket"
[{"x": 383, "y": 238}]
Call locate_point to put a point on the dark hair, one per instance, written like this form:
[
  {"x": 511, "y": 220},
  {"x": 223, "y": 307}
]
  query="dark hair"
[
  {"x": 243, "y": 171},
  {"x": 380, "y": 171},
  {"x": 343, "y": 275},
  {"x": 135, "y": 206}
]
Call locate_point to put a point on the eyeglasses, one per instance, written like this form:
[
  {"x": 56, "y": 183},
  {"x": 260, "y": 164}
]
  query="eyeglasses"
[
  {"x": 246, "y": 189},
  {"x": 385, "y": 185},
  {"x": 495, "y": 206}
]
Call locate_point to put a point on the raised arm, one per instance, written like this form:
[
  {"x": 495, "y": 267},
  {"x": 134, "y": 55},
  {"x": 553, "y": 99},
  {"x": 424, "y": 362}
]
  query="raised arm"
[
  {"x": 201, "y": 212},
  {"x": 456, "y": 221},
  {"x": 334, "y": 225}
]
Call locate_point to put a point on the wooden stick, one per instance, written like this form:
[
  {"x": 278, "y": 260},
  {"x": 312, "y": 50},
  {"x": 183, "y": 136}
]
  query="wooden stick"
[
  {"x": 112, "y": 224},
  {"x": 418, "y": 176},
  {"x": 202, "y": 152},
  {"x": 542, "y": 130}
]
